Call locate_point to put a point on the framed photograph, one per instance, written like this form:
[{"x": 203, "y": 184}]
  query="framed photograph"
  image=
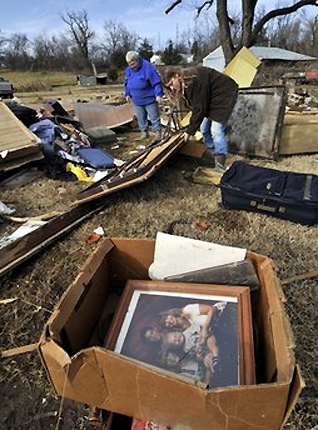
[{"x": 199, "y": 331}]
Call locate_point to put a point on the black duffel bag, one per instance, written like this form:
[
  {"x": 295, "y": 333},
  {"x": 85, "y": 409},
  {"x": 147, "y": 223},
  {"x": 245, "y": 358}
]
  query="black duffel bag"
[{"x": 286, "y": 195}]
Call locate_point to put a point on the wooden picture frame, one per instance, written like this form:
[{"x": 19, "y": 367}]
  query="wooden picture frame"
[{"x": 202, "y": 332}]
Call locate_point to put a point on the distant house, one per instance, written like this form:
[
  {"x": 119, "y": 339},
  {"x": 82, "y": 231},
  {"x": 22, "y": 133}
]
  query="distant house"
[
  {"x": 216, "y": 59},
  {"x": 186, "y": 58},
  {"x": 156, "y": 60}
]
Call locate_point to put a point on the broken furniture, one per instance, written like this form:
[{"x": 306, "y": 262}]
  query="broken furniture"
[
  {"x": 18, "y": 146},
  {"x": 300, "y": 133},
  {"x": 137, "y": 169},
  {"x": 99, "y": 377}
]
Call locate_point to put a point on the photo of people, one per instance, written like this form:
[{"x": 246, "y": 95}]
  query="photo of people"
[{"x": 194, "y": 335}]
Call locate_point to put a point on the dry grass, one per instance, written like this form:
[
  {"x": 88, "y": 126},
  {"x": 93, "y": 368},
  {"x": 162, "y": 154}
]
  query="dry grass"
[
  {"x": 35, "y": 81},
  {"x": 142, "y": 212}
]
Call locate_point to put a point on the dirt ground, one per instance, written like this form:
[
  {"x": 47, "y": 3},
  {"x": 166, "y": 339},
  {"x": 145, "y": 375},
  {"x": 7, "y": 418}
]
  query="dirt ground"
[{"x": 169, "y": 199}]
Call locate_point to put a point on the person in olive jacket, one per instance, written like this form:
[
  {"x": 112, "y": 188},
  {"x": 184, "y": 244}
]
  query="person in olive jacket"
[{"x": 211, "y": 96}]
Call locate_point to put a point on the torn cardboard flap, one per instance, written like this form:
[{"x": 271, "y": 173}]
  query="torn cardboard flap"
[{"x": 102, "y": 378}]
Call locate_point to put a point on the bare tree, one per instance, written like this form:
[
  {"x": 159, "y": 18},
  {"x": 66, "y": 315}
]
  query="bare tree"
[
  {"x": 3, "y": 41},
  {"x": 117, "y": 36},
  {"x": 249, "y": 28},
  {"x": 17, "y": 53},
  {"x": 80, "y": 31},
  {"x": 117, "y": 41},
  {"x": 310, "y": 35}
]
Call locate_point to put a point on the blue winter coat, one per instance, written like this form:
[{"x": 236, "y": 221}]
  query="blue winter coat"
[{"x": 143, "y": 85}]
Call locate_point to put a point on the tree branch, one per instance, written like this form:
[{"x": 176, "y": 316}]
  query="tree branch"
[
  {"x": 170, "y": 8},
  {"x": 208, "y": 3},
  {"x": 279, "y": 12},
  {"x": 225, "y": 31}
]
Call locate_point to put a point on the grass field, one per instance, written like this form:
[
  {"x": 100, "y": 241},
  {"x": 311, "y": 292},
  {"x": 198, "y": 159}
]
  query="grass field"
[{"x": 32, "y": 81}]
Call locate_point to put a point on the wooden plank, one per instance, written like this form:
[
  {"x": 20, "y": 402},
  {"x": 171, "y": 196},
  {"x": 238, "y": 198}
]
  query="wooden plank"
[
  {"x": 24, "y": 248},
  {"x": 21, "y": 178}
]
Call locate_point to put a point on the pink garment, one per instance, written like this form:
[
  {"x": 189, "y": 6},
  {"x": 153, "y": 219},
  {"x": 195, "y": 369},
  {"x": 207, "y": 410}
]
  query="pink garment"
[{"x": 147, "y": 425}]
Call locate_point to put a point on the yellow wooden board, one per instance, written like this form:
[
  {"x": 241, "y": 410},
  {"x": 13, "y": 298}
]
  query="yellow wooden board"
[{"x": 243, "y": 67}]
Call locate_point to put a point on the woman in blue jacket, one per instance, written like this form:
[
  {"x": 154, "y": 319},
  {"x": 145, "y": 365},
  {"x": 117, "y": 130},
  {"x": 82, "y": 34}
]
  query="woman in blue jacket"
[{"x": 143, "y": 87}]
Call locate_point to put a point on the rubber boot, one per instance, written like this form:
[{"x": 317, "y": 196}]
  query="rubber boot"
[
  {"x": 144, "y": 135},
  {"x": 220, "y": 162},
  {"x": 208, "y": 158}
]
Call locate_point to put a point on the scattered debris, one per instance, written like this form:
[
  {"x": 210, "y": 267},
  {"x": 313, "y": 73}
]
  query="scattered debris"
[
  {"x": 94, "y": 115},
  {"x": 139, "y": 168},
  {"x": 93, "y": 238},
  {"x": 7, "y": 301},
  {"x": 202, "y": 225},
  {"x": 5, "y": 210},
  {"x": 99, "y": 231},
  {"x": 307, "y": 275},
  {"x": 19, "y": 250},
  {"x": 19, "y": 350},
  {"x": 43, "y": 217},
  {"x": 24, "y": 230}
]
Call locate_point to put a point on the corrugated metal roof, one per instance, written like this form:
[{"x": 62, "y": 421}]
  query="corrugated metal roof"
[
  {"x": 271, "y": 53},
  {"x": 264, "y": 53}
]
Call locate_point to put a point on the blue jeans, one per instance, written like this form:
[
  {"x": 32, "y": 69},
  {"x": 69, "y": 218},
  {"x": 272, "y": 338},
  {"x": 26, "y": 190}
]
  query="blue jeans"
[
  {"x": 148, "y": 111},
  {"x": 214, "y": 136}
]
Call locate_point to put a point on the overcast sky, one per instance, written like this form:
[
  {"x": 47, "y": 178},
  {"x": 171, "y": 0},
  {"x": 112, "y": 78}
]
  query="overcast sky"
[{"x": 145, "y": 17}]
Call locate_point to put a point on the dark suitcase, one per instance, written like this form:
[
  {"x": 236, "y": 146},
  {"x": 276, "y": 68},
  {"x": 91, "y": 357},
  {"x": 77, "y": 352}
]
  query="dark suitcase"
[{"x": 286, "y": 195}]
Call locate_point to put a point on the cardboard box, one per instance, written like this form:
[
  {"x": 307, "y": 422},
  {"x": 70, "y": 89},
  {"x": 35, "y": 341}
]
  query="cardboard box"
[{"x": 98, "y": 377}]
